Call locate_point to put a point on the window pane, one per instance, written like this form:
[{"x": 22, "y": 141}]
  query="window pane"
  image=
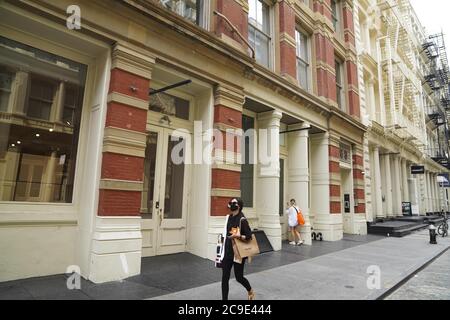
[
  {"x": 149, "y": 176},
  {"x": 173, "y": 199},
  {"x": 281, "y": 189},
  {"x": 262, "y": 49},
  {"x": 170, "y": 105},
  {"x": 302, "y": 69},
  {"x": 5, "y": 88},
  {"x": 38, "y": 152},
  {"x": 189, "y": 9},
  {"x": 247, "y": 166}
]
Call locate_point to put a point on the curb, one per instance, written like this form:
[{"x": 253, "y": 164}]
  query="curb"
[{"x": 411, "y": 274}]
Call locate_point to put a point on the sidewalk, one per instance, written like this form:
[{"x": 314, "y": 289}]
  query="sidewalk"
[{"x": 340, "y": 275}]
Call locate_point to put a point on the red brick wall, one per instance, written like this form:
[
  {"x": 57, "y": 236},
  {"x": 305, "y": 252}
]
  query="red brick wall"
[
  {"x": 125, "y": 117},
  {"x": 122, "y": 167},
  {"x": 358, "y": 181},
  {"x": 119, "y": 203},
  {"x": 237, "y": 16},
  {"x": 288, "y": 61},
  {"x": 326, "y": 81},
  {"x": 118, "y": 166},
  {"x": 226, "y": 179},
  {"x": 121, "y": 81},
  {"x": 227, "y": 116},
  {"x": 219, "y": 206}
]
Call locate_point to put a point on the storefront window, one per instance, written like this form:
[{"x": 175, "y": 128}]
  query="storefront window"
[
  {"x": 247, "y": 174},
  {"x": 40, "y": 115}
]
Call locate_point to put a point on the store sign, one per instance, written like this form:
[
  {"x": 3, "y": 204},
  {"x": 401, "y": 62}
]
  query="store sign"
[
  {"x": 406, "y": 208},
  {"x": 444, "y": 180},
  {"x": 417, "y": 170}
]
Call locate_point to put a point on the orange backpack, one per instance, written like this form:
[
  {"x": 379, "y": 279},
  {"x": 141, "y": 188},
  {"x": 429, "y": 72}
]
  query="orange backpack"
[{"x": 300, "y": 219}]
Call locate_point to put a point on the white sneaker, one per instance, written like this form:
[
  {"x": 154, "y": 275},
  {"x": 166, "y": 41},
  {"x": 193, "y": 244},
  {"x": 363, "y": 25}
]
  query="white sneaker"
[
  {"x": 293, "y": 243},
  {"x": 300, "y": 243}
]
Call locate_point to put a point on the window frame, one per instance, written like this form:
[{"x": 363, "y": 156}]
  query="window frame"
[
  {"x": 336, "y": 17},
  {"x": 340, "y": 86},
  {"x": 58, "y": 210},
  {"x": 299, "y": 59},
  {"x": 269, "y": 36},
  {"x": 202, "y": 16},
  {"x": 251, "y": 114}
]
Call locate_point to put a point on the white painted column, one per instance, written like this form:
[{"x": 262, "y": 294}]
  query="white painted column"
[
  {"x": 405, "y": 189},
  {"x": 377, "y": 197},
  {"x": 298, "y": 172},
  {"x": 373, "y": 105},
  {"x": 428, "y": 193},
  {"x": 268, "y": 176},
  {"x": 436, "y": 193},
  {"x": 397, "y": 196},
  {"x": 389, "y": 191}
]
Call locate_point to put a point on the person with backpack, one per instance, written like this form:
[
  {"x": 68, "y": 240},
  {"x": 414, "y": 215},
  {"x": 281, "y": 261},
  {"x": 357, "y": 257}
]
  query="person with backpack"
[{"x": 292, "y": 213}]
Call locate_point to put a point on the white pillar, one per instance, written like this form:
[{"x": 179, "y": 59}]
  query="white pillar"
[
  {"x": 373, "y": 105},
  {"x": 397, "y": 196},
  {"x": 298, "y": 172},
  {"x": 428, "y": 200},
  {"x": 49, "y": 178},
  {"x": 389, "y": 191},
  {"x": 436, "y": 193},
  {"x": 405, "y": 189},
  {"x": 377, "y": 197},
  {"x": 268, "y": 176}
]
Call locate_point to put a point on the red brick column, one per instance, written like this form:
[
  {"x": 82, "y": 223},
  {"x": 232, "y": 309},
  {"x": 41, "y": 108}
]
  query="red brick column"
[
  {"x": 237, "y": 12},
  {"x": 326, "y": 79},
  {"x": 288, "y": 61},
  {"x": 352, "y": 70},
  {"x": 358, "y": 180},
  {"x": 226, "y": 174},
  {"x": 335, "y": 177},
  {"x": 123, "y": 166}
]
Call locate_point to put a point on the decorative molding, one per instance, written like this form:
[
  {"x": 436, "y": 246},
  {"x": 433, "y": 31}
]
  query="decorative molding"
[
  {"x": 123, "y": 185},
  {"x": 284, "y": 36},
  {"x": 128, "y": 100},
  {"x": 123, "y": 141},
  {"x": 229, "y": 97},
  {"x": 128, "y": 59},
  {"x": 225, "y": 193}
]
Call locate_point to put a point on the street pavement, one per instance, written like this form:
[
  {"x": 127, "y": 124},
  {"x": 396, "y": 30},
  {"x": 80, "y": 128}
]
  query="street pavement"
[
  {"x": 432, "y": 283},
  {"x": 341, "y": 275}
]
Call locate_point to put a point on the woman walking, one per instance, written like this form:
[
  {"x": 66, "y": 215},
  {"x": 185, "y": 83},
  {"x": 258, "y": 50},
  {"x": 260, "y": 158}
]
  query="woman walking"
[
  {"x": 292, "y": 212},
  {"x": 235, "y": 219}
]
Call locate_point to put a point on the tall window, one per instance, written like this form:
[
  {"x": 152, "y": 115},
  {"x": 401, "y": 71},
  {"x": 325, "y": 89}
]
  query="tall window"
[
  {"x": 247, "y": 175},
  {"x": 301, "y": 40},
  {"x": 339, "y": 84},
  {"x": 39, "y": 136},
  {"x": 192, "y": 10},
  {"x": 6, "y": 78},
  {"x": 259, "y": 30},
  {"x": 335, "y": 15}
]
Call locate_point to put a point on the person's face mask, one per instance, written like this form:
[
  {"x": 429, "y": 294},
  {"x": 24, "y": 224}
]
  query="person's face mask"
[{"x": 233, "y": 205}]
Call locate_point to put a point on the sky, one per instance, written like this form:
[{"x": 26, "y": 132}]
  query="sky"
[{"x": 434, "y": 15}]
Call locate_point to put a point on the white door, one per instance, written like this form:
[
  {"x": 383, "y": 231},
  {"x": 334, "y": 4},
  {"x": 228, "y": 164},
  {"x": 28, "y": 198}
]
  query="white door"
[{"x": 164, "y": 198}]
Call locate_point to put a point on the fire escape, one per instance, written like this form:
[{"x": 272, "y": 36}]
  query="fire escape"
[
  {"x": 399, "y": 48},
  {"x": 437, "y": 79}
]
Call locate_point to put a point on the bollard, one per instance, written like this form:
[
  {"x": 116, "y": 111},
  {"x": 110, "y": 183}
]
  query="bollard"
[{"x": 432, "y": 230}]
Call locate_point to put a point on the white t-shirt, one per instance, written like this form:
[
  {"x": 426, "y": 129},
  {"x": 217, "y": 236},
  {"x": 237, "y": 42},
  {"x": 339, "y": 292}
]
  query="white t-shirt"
[{"x": 292, "y": 216}]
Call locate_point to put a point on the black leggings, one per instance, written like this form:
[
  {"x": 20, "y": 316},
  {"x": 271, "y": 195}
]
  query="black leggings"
[{"x": 227, "y": 264}]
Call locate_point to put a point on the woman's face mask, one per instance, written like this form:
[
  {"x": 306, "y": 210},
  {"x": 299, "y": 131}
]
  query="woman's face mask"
[{"x": 233, "y": 205}]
